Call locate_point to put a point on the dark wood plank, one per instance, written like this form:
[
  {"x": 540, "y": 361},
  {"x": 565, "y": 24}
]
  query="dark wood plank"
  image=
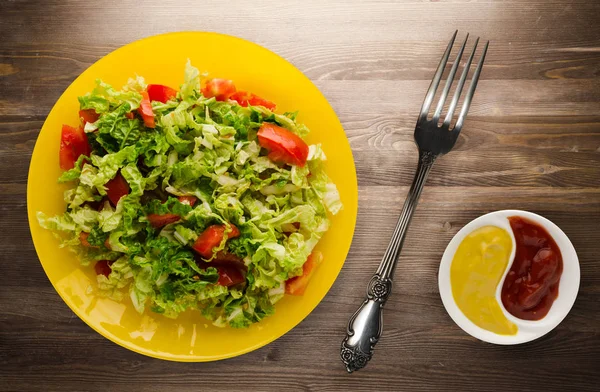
[
  {"x": 532, "y": 142},
  {"x": 35, "y": 76},
  {"x": 308, "y": 21}
]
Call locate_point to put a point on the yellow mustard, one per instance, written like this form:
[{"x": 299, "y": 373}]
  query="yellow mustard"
[{"x": 476, "y": 270}]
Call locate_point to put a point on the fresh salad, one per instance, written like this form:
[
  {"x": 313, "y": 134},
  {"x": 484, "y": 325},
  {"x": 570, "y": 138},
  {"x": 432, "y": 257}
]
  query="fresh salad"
[{"x": 198, "y": 198}]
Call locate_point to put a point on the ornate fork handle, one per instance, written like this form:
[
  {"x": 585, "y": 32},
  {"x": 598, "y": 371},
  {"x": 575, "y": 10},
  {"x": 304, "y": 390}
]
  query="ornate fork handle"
[{"x": 365, "y": 326}]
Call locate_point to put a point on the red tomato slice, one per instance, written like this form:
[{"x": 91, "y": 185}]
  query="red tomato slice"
[
  {"x": 102, "y": 267},
  {"x": 189, "y": 200},
  {"x": 230, "y": 276},
  {"x": 297, "y": 285},
  {"x": 255, "y": 100},
  {"x": 130, "y": 115},
  {"x": 231, "y": 268},
  {"x": 160, "y": 220},
  {"x": 88, "y": 116},
  {"x": 117, "y": 188},
  {"x": 245, "y": 98},
  {"x": 157, "y": 220},
  {"x": 278, "y": 155},
  {"x": 73, "y": 143},
  {"x": 222, "y": 258},
  {"x": 83, "y": 236},
  {"x": 212, "y": 237},
  {"x": 158, "y": 92},
  {"x": 145, "y": 110},
  {"x": 234, "y": 233},
  {"x": 66, "y": 157},
  {"x": 284, "y": 146},
  {"x": 221, "y": 89},
  {"x": 209, "y": 238},
  {"x": 241, "y": 97}
]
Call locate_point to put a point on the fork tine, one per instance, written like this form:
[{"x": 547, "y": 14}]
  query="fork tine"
[
  {"x": 469, "y": 97},
  {"x": 440, "y": 106},
  {"x": 459, "y": 87},
  {"x": 436, "y": 80}
]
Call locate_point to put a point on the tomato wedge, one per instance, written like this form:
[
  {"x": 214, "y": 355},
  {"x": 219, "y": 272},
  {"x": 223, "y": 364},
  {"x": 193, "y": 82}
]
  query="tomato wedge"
[
  {"x": 73, "y": 143},
  {"x": 297, "y": 285},
  {"x": 283, "y": 145},
  {"x": 245, "y": 98},
  {"x": 161, "y": 220},
  {"x": 158, "y": 92},
  {"x": 212, "y": 237},
  {"x": 102, "y": 267},
  {"x": 83, "y": 236},
  {"x": 145, "y": 110},
  {"x": 230, "y": 276},
  {"x": 241, "y": 97},
  {"x": 117, "y": 188},
  {"x": 231, "y": 268},
  {"x": 130, "y": 115},
  {"x": 88, "y": 116},
  {"x": 221, "y": 89},
  {"x": 189, "y": 200},
  {"x": 255, "y": 100}
]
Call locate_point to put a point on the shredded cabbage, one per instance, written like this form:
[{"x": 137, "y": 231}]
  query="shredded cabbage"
[{"x": 204, "y": 148}]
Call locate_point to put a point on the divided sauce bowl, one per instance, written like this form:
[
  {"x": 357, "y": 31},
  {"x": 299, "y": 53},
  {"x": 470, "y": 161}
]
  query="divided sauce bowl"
[{"x": 526, "y": 330}]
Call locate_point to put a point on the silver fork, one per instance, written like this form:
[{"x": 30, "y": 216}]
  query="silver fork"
[{"x": 433, "y": 140}]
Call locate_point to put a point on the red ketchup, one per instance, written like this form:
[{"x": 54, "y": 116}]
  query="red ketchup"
[{"x": 531, "y": 285}]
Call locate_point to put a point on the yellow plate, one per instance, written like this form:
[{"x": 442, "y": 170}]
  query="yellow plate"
[{"x": 161, "y": 59}]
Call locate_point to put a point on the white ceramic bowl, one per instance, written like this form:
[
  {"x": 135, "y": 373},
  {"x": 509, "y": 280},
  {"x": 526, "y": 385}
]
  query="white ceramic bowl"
[{"x": 528, "y": 330}]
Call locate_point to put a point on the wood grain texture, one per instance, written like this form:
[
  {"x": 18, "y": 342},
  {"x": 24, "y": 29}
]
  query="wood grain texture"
[{"x": 532, "y": 142}]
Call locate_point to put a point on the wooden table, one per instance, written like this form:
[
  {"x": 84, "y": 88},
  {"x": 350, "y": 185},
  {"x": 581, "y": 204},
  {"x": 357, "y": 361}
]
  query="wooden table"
[{"x": 532, "y": 142}]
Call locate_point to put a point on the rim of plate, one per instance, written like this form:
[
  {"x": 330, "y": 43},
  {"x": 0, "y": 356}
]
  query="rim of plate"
[
  {"x": 527, "y": 330},
  {"x": 353, "y": 208}
]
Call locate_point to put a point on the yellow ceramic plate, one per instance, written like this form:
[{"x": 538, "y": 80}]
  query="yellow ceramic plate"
[{"x": 161, "y": 59}]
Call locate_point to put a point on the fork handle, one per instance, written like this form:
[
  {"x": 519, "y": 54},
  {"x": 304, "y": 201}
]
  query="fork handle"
[{"x": 366, "y": 324}]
